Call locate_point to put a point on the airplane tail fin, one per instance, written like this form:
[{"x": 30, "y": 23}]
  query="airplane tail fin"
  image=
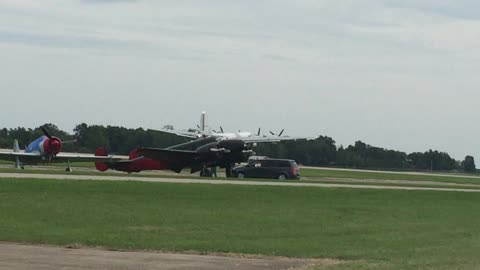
[
  {"x": 16, "y": 148},
  {"x": 102, "y": 152},
  {"x": 202, "y": 122}
]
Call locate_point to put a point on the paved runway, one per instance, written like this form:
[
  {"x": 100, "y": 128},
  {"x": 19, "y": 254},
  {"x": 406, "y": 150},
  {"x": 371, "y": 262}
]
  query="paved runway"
[{"x": 227, "y": 182}]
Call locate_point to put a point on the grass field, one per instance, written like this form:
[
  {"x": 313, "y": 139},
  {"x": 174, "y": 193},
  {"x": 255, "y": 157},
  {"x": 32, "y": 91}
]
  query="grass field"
[
  {"x": 371, "y": 229},
  {"x": 331, "y": 173}
]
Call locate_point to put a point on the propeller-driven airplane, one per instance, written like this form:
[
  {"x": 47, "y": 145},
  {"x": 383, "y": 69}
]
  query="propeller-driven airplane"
[
  {"x": 247, "y": 136},
  {"x": 198, "y": 155},
  {"x": 208, "y": 150},
  {"x": 47, "y": 149}
]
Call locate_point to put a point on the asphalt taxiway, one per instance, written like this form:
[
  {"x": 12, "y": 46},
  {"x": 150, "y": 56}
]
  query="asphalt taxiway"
[{"x": 228, "y": 182}]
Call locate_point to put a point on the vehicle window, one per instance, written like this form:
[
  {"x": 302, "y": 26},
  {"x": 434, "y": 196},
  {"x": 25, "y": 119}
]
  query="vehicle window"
[
  {"x": 267, "y": 163},
  {"x": 275, "y": 163},
  {"x": 284, "y": 164}
]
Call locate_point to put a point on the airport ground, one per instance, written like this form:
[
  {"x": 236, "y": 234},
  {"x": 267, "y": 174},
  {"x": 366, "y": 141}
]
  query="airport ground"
[{"x": 326, "y": 219}]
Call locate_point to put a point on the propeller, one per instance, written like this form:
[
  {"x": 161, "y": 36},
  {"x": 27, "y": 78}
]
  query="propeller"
[
  {"x": 258, "y": 133},
  {"x": 279, "y": 134},
  {"x": 221, "y": 130},
  {"x": 54, "y": 144},
  {"x": 44, "y": 130}
]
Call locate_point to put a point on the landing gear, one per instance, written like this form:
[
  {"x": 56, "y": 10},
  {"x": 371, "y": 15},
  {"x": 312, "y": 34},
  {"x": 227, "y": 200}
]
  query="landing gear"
[
  {"x": 229, "y": 171},
  {"x": 18, "y": 164},
  {"x": 206, "y": 172},
  {"x": 69, "y": 168}
]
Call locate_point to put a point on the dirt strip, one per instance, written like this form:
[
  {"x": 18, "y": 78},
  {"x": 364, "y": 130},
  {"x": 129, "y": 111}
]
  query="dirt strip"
[{"x": 28, "y": 257}]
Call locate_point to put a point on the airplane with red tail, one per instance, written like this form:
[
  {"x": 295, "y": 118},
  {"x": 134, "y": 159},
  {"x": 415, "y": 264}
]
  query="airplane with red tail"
[
  {"x": 47, "y": 149},
  {"x": 206, "y": 152},
  {"x": 198, "y": 155}
]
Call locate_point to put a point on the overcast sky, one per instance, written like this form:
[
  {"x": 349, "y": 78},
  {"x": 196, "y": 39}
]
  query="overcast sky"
[{"x": 400, "y": 74}]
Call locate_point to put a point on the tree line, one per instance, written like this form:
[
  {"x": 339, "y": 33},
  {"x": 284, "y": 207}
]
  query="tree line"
[{"x": 321, "y": 151}]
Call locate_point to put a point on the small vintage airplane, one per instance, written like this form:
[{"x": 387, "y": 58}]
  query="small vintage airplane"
[
  {"x": 198, "y": 155},
  {"x": 47, "y": 149}
]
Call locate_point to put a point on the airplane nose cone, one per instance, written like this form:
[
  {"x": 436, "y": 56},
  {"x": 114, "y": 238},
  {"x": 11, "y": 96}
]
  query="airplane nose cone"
[{"x": 56, "y": 146}]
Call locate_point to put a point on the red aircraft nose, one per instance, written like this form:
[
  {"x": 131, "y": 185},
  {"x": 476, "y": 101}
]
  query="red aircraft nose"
[{"x": 53, "y": 145}]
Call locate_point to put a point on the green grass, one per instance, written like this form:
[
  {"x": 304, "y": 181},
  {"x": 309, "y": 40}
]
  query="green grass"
[
  {"x": 372, "y": 229},
  {"x": 315, "y": 173}
]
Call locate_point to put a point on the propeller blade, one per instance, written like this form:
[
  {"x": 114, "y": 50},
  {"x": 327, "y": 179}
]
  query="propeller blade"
[
  {"x": 281, "y": 132},
  {"x": 221, "y": 129},
  {"x": 272, "y": 133},
  {"x": 44, "y": 130},
  {"x": 258, "y": 133}
]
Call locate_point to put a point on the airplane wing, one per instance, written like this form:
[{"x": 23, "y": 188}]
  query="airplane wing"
[
  {"x": 171, "y": 155},
  {"x": 36, "y": 157},
  {"x": 65, "y": 156},
  {"x": 12, "y": 156},
  {"x": 270, "y": 139},
  {"x": 181, "y": 133}
]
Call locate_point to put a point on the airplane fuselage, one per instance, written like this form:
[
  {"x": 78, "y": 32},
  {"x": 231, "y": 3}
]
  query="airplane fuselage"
[{"x": 45, "y": 146}]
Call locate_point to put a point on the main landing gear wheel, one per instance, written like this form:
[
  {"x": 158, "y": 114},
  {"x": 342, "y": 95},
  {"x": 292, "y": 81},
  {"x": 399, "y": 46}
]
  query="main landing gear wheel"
[
  {"x": 229, "y": 171},
  {"x": 205, "y": 172},
  {"x": 69, "y": 167}
]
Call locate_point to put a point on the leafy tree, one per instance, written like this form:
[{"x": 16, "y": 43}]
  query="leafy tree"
[
  {"x": 468, "y": 164},
  {"x": 321, "y": 151}
]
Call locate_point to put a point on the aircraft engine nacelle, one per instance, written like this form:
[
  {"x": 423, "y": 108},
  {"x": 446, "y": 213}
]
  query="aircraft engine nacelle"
[{"x": 232, "y": 145}]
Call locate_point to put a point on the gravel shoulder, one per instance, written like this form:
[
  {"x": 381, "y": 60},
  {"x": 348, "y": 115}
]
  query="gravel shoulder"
[{"x": 27, "y": 257}]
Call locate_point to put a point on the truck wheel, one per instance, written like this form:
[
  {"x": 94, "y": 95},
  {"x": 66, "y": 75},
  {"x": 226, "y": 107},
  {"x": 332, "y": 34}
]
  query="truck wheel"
[
  {"x": 282, "y": 177},
  {"x": 241, "y": 175}
]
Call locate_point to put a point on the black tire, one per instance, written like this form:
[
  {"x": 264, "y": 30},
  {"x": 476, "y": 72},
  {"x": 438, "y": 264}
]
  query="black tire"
[
  {"x": 206, "y": 173},
  {"x": 282, "y": 177},
  {"x": 241, "y": 175},
  {"x": 229, "y": 171}
]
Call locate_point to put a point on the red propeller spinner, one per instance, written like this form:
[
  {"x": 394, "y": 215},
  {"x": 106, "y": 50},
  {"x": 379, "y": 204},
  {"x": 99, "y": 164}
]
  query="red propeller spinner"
[{"x": 52, "y": 145}]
